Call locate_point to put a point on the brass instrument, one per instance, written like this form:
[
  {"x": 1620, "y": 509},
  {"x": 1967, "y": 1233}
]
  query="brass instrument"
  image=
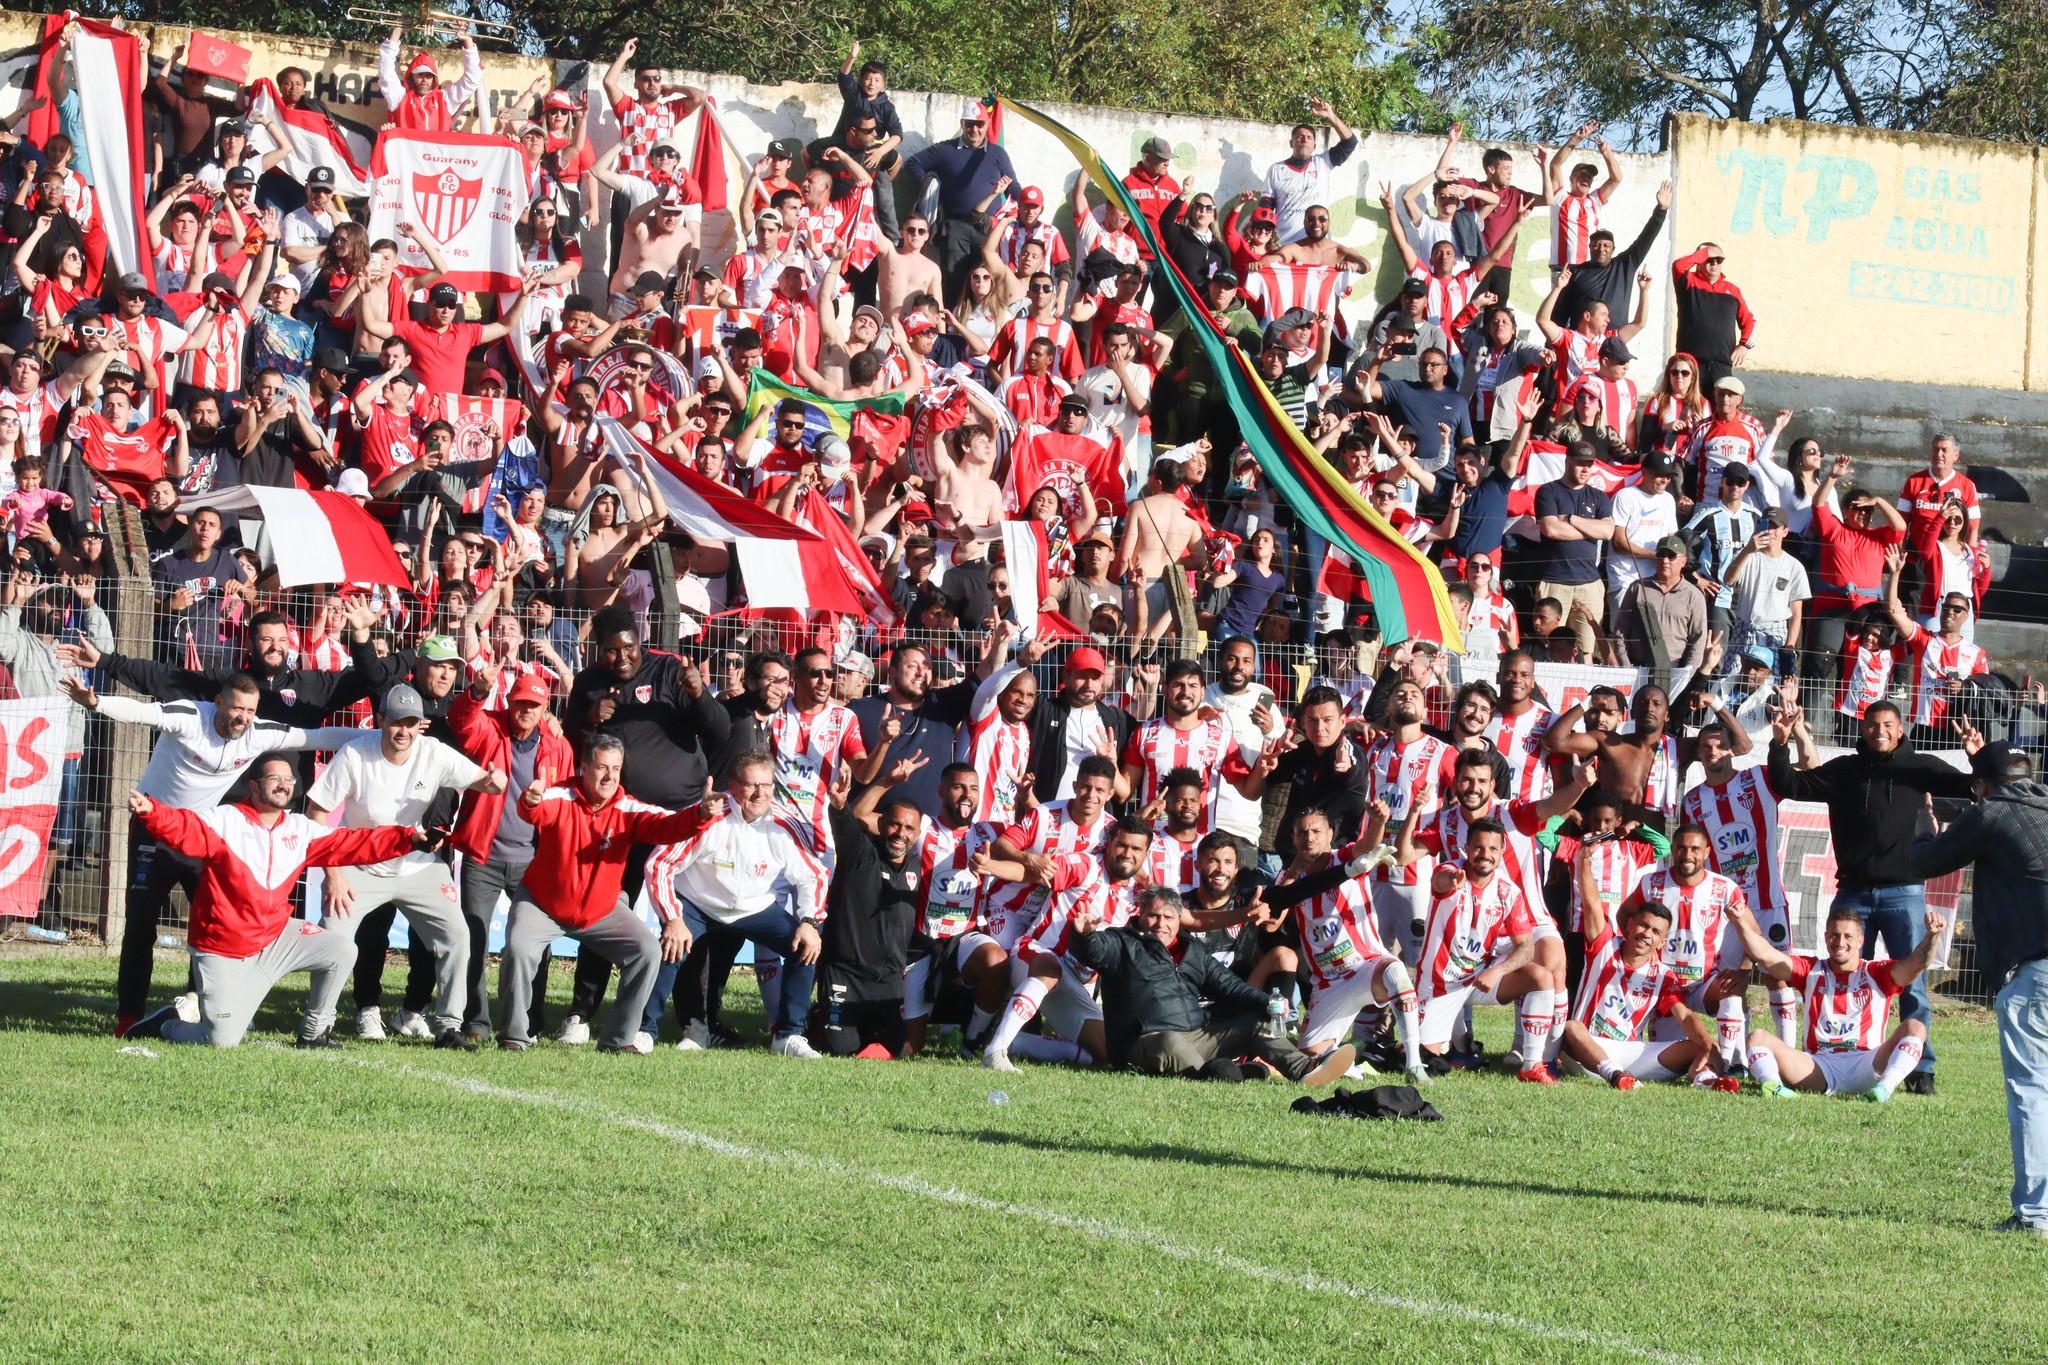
[{"x": 432, "y": 22}]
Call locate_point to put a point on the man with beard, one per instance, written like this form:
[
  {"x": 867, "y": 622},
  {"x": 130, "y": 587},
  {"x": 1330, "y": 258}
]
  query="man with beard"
[
  {"x": 1645, "y": 767},
  {"x": 206, "y": 745},
  {"x": 872, "y": 914},
  {"x": 210, "y": 450},
  {"x": 996, "y": 742},
  {"x": 1075, "y": 724},
  {"x": 1324, "y": 769},
  {"x": 1472, "y": 716},
  {"x": 1176, "y": 851},
  {"x": 1185, "y": 737},
  {"x": 391, "y": 777},
  {"x": 1246, "y": 706},
  {"x": 925, "y": 718},
  {"x": 286, "y": 694},
  {"x": 1519, "y": 725},
  {"x": 1411, "y": 772}
]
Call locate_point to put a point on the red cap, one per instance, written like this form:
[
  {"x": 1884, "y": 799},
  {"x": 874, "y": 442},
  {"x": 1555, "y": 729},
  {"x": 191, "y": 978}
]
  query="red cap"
[
  {"x": 1264, "y": 218},
  {"x": 490, "y": 376},
  {"x": 530, "y": 687},
  {"x": 1087, "y": 660},
  {"x": 1031, "y": 194},
  {"x": 917, "y": 324},
  {"x": 559, "y": 99}
]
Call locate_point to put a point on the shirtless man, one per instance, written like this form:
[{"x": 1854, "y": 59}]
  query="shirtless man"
[
  {"x": 1645, "y": 767},
  {"x": 1158, "y": 534},
  {"x": 964, "y": 459},
  {"x": 905, "y": 270},
  {"x": 866, "y": 375},
  {"x": 1315, "y": 246},
  {"x": 656, "y": 237},
  {"x": 574, "y": 449},
  {"x": 1013, "y": 286},
  {"x": 600, "y": 566}
]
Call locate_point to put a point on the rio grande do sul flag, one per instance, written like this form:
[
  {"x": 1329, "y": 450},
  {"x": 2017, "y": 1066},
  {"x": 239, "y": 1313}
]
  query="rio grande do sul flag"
[
  {"x": 463, "y": 190},
  {"x": 32, "y": 743}
]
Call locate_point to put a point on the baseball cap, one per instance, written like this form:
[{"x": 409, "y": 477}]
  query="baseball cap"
[
  {"x": 1615, "y": 349},
  {"x": 666, "y": 144},
  {"x": 1226, "y": 278},
  {"x": 1264, "y": 218},
  {"x": 1415, "y": 289},
  {"x": 833, "y": 452},
  {"x": 117, "y": 371},
  {"x": 917, "y": 324},
  {"x": 218, "y": 280},
  {"x": 1086, "y": 660},
  {"x": 353, "y": 482},
  {"x": 868, "y": 310},
  {"x": 649, "y": 282},
  {"x": 409, "y": 378},
  {"x": 1776, "y": 519},
  {"x": 1671, "y": 545},
  {"x": 236, "y": 126},
  {"x": 240, "y": 175},
  {"x": 444, "y": 296},
  {"x": 857, "y": 662},
  {"x": 529, "y": 688},
  {"x": 973, "y": 112},
  {"x": 1291, "y": 319},
  {"x": 1730, "y": 383},
  {"x": 283, "y": 279},
  {"x": 332, "y": 359},
  {"x": 402, "y": 702},
  {"x": 1157, "y": 146},
  {"x": 559, "y": 99},
  {"x": 133, "y": 283},
  {"x": 320, "y": 177},
  {"x": 784, "y": 148},
  {"x": 1031, "y": 194},
  {"x": 438, "y": 649},
  {"x": 1735, "y": 472},
  {"x": 1073, "y": 402},
  {"x": 1660, "y": 464},
  {"x": 1762, "y": 655},
  {"x": 674, "y": 201},
  {"x": 1991, "y": 763},
  {"x": 491, "y": 376},
  {"x": 772, "y": 217}
]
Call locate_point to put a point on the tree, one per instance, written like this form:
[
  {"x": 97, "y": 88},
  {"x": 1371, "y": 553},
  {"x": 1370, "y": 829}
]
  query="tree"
[{"x": 1999, "y": 88}]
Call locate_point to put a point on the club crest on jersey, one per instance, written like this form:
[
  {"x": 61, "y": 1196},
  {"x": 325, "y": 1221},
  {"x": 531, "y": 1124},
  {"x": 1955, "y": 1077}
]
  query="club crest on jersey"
[
  {"x": 288, "y": 695},
  {"x": 643, "y": 693}
]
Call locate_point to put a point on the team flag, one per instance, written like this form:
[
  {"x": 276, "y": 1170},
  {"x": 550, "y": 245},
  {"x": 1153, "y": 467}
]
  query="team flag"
[
  {"x": 110, "y": 69},
  {"x": 314, "y": 537},
  {"x": 33, "y": 731},
  {"x": 464, "y": 190},
  {"x": 317, "y": 140},
  {"x": 1407, "y": 591}
]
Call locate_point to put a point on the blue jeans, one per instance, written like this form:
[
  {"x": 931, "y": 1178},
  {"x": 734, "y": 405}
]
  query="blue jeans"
[
  {"x": 65, "y": 831},
  {"x": 1898, "y": 914},
  {"x": 774, "y": 930},
  {"x": 2023, "y": 1044}
]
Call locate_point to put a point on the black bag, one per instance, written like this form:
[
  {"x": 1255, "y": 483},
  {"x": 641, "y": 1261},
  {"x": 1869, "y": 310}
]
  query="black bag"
[{"x": 1380, "y": 1102}]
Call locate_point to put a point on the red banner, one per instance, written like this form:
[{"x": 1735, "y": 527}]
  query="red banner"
[{"x": 32, "y": 742}]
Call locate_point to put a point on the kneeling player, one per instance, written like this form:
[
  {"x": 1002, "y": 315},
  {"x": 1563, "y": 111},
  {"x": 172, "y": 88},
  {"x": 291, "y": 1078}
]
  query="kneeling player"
[
  {"x": 1627, "y": 987},
  {"x": 1479, "y": 947},
  {"x": 1847, "y": 1002}
]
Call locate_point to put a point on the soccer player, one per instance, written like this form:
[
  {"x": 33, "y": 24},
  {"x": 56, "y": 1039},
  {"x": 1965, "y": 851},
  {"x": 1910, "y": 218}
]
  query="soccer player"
[
  {"x": 1409, "y": 770},
  {"x": 1518, "y": 727},
  {"x": 1847, "y": 1002},
  {"x": 1698, "y": 946},
  {"x": 1480, "y": 948},
  {"x": 1646, "y": 766},
  {"x": 1184, "y": 736},
  {"x": 1176, "y": 852},
  {"x": 1626, "y": 988},
  {"x": 996, "y": 740},
  {"x": 250, "y": 857},
  {"x": 1048, "y": 978}
]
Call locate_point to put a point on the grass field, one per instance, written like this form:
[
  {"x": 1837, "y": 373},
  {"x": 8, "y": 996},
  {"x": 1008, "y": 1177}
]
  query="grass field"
[{"x": 398, "y": 1203}]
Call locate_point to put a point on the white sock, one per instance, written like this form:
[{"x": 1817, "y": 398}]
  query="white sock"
[
  {"x": 1402, "y": 988},
  {"x": 1018, "y": 1013},
  {"x": 1557, "y": 1018},
  {"x": 1535, "y": 1010},
  {"x": 1763, "y": 1064},
  {"x": 1606, "y": 1069},
  {"x": 768, "y": 976},
  {"x": 978, "y": 1022},
  {"x": 1732, "y": 1027},
  {"x": 1785, "y": 1015},
  {"x": 1905, "y": 1057},
  {"x": 1048, "y": 1049}
]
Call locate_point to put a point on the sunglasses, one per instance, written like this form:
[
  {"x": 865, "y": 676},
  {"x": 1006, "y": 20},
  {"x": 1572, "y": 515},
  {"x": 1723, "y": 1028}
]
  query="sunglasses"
[
  {"x": 1681, "y": 371},
  {"x": 816, "y": 673},
  {"x": 1716, "y": 260},
  {"x": 1040, "y": 289}
]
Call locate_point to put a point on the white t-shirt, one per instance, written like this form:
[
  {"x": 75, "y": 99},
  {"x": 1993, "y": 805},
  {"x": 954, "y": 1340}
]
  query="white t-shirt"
[
  {"x": 372, "y": 791},
  {"x": 1082, "y": 729},
  {"x": 1766, "y": 586},
  {"x": 1645, "y": 520},
  {"x": 1295, "y": 189},
  {"x": 303, "y": 227},
  {"x": 1108, "y": 404}
]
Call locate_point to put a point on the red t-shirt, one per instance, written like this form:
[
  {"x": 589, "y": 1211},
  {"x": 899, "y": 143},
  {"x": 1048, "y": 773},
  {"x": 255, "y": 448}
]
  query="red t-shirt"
[
  {"x": 441, "y": 359},
  {"x": 389, "y": 441}
]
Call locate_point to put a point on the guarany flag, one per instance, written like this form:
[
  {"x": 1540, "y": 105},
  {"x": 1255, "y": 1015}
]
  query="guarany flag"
[
  {"x": 822, "y": 416},
  {"x": 464, "y": 190},
  {"x": 1407, "y": 591}
]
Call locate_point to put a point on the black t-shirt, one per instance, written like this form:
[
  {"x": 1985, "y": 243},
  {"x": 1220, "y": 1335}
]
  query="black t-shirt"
[
  {"x": 1315, "y": 781},
  {"x": 872, "y": 909}
]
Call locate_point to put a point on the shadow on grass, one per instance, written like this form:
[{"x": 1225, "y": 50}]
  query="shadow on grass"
[{"x": 1198, "y": 1156}]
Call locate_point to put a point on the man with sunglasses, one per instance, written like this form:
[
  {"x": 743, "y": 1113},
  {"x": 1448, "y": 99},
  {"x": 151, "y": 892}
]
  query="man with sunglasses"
[
  {"x": 1151, "y": 183},
  {"x": 966, "y": 169},
  {"x": 1715, "y": 325}
]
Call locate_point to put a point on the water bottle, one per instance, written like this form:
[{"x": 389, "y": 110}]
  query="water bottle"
[
  {"x": 1276, "y": 1016},
  {"x": 39, "y": 933}
]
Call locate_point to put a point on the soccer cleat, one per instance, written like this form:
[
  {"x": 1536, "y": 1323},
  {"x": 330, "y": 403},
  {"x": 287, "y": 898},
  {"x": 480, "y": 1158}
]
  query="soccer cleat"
[
  {"x": 1511, "y": 1060},
  {"x": 513, "y": 1045},
  {"x": 1623, "y": 1081},
  {"x": 1418, "y": 1075},
  {"x": 456, "y": 1039},
  {"x": 639, "y": 1044},
  {"x": 1878, "y": 1094},
  {"x": 998, "y": 1059},
  {"x": 573, "y": 1032},
  {"x": 696, "y": 1037},
  {"x": 1538, "y": 1074},
  {"x": 413, "y": 1024},
  {"x": 795, "y": 1045},
  {"x": 1338, "y": 1061},
  {"x": 1778, "y": 1090},
  {"x": 1920, "y": 1083},
  {"x": 323, "y": 1041},
  {"x": 1726, "y": 1085},
  {"x": 370, "y": 1024},
  {"x": 1361, "y": 1070},
  {"x": 185, "y": 1007}
]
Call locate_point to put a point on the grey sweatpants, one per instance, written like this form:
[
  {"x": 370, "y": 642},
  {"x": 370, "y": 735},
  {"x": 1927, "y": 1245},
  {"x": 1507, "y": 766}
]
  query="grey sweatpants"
[
  {"x": 622, "y": 938},
  {"x": 433, "y": 914},
  {"x": 231, "y": 988}
]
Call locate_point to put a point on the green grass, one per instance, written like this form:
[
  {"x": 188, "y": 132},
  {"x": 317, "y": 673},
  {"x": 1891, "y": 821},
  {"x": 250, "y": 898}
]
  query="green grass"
[{"x": 397, "y": 1203}]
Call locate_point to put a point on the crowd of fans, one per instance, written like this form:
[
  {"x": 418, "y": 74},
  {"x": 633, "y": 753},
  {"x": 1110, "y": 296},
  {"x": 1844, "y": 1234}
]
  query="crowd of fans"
[{"x": 1198, "y": 748}]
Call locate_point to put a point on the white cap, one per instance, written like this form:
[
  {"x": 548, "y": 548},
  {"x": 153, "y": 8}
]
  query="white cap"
[
  {"x": 833, "y": 454},
  {"x": 973, "y": 111},
  {"x": 353, "y": 482},
  {"x": 285, "y": 279}
]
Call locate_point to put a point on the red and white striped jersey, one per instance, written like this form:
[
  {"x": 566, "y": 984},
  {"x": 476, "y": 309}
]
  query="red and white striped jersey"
[
  {"x": 1741, "y": 820},
  {"x": 1079, "y": 881},
  {"x": 1714, "y": 443},
  {"x": 1578, "y": 356},
  {"x": 1520, "y": 741},
  {"x": 1014, "y": 338},
  {"x": 1523, "y": 859},
  {"x": 1845, "y": 1011},
  {"x": 643, "y": 125},
  {"x": 508, "y": 674},
  {"x": 1465, "y": 929},
  {"x": 1034, "y": 400},
  {"x": 1573, "y": 221},
  {"x": 1001, "y": 752},
  {"x": 1015, "y": 906},
  {"x": 38, "y": 409},
  {"x": 1699, "y": 919},
  {"x": 150, "y": 339},
  {"x": 1448, "y": 294},
  {"x": 1618, "y": 398},
  {"x": 218, "y": 364},
  {"x": 1412, "y": 779},
  {"x": 1171, "y": 861},
  {"x": 1666, "y": 782},
  {"x": 325, "y": 655},
  {"x": 808, "y": 752},
  {"x": 1340, "y": 936},
  {"x": 1090, "y": 235},
  {"x": 1277, "y": 285},
  {"x": 949, "y": 896},
  {"x": 1618, "y": 866},
  {"x": 1015, "y": 235},
  {"x": 1935, "y": 662},
  {"x": 1866, "y": 676},
  {"x": 1156, "y": 748},
  {"x": 79, "y": 200},
  {"x": 1617, "y": 1002}
]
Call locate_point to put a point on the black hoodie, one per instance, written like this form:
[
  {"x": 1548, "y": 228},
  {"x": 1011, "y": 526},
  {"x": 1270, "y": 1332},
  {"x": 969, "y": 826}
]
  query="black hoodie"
[{"x": 1876, "y": 805}]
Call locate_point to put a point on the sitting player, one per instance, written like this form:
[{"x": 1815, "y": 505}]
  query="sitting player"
[
  {"x": 1625, "y": 989},
  {"x": 1847, "y": 1002},
  {"x": 1700, "y": 946}
]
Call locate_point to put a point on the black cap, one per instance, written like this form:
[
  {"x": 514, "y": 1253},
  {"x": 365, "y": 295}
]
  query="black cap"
[
  {"x": 784, "y": 148},
  {"x": 1073, "y": 402},
  {"x": 650, "y": 282},
  {"x": 240, "y": 175},
  {"x": 445, "y": 296},
  {"x": 1615, "y": 349},
  {"x": 1735, "y": 472},
  {"x": 1224, "y": 277},
  {"x": 406, "y": 377},
  {"x": 320, "y": 177},
  {"x": 332, "y": 359},
  {"x": 1660, "y": 464},
  {"x": 236, "y": 125},
  {"x": 1415, "y": 289},
  {"x": 1998, "y": 763}
]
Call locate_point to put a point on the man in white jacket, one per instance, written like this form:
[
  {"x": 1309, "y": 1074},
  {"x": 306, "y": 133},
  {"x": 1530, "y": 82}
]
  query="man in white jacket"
[{"x": 736, "y": 870}]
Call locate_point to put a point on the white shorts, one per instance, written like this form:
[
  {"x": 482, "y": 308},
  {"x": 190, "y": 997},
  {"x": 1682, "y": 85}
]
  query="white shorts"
[
  {"x": 1847, "y": 1073},
  {"x": 1396, "y": 908},
  {"x": 1068, "y": 1005},
  {"x": 1440, "y": 1013},
  {"x": 1638, "y": 1059},
  {"x": 968, "y": 944},
  {"x": 1332, "y": 1008},
  {"x": 916, "y": 974}
]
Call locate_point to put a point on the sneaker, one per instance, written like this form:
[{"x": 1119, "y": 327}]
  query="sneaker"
[
  {"x": 185, "y": 1007},
  {"x": 1726, "y": 1085},
  {"x": 640, "y": 1044},
  {"x": 513, "y": 1045},
  {"x": 370, "y": 1024},
  {"x": 1418, "y": 1075},
  {"x": 412, "y": 1024},
  {"x": 1360, "y": 1071},
  {"x": 1338, "y": 1061},
  {"x": 1920, "y": 1083},
  {"x": 998, "y": 1059},
  {"x": 1878, "y": 1094},
  {"x": 722, "y": 1036},
  {"x": 696, "y": 1037},
  {"x": 122, "y": 1023},
  {"x": 795, "y": 1045},
  {"x": 455, "y": 1038},
  {"x": 1623, "y": 1081},
  {"x": 2019, "y": 1224},
  {"x": 573, "y": 1032},
  {"x": 1567, "y": 1067},
  {"x": 323, "y": 1041},
  {"x": 1538, "y": 1074},
  {"x": 1778, "y": 1090}
]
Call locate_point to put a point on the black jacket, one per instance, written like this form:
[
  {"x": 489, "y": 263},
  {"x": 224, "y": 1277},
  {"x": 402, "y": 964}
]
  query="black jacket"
[
  {"x": 2006, "y": 836},
  {"x": 297, "y": 696},
  {"x": 669, "y": 735},
  {"x": 1613, "y": 284},
  {"x": 1048, "y": 725},
  {"x": 1197, "y": 259},
  {"x": 1147, "y": 989},
  {"x": 873, "y": 908},
  {"x": 1875, "y": 806},
  {"x": 749, "y": 730}
]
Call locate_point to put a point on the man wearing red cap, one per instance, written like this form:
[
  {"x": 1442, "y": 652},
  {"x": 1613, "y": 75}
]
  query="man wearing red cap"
[
  {"x": 1031, "y": 225},
  {"x": 441, "y": 345},
  {"x": 421, "y": 103}
]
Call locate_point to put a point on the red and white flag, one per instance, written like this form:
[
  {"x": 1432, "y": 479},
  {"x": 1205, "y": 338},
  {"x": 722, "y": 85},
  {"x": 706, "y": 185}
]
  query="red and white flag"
[
  {"x": 33, "y": 734},
  {"x": 464, "y": 190},
  {"x": 482, "y": 426},
  {"x": 317, "y": 140},
  {"x": 314, "y": 537},
  {"x": 1276, "y": 286},
  {"x": 1543, "y": 462},
  {"x": 109, "y": 72}
]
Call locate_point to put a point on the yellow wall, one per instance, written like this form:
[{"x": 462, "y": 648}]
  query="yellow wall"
[{"x": 1869, "y": 255}]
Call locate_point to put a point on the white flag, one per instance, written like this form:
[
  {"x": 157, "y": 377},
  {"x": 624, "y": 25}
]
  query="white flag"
[{"x": 464, "y": 190}]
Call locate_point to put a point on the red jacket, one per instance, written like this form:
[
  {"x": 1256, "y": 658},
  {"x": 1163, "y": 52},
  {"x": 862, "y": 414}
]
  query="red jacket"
[
  {"x": 247, "y": 871},
  {"x": 486, "y": 736},
  {"x": 579, "y": 853}
]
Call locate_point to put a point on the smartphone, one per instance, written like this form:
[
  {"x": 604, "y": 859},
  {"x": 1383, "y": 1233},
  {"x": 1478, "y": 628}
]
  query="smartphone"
[{"x": 1404, "y": 348}]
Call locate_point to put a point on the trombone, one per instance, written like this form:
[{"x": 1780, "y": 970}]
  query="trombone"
[{"x": 432, "y": 22}]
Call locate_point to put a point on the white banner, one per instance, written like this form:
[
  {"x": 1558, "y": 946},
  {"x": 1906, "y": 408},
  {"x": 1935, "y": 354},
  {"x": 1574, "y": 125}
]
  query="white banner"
[
  {"x": 33, "y": 735},
  {"x": 463, "y": 190}
]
